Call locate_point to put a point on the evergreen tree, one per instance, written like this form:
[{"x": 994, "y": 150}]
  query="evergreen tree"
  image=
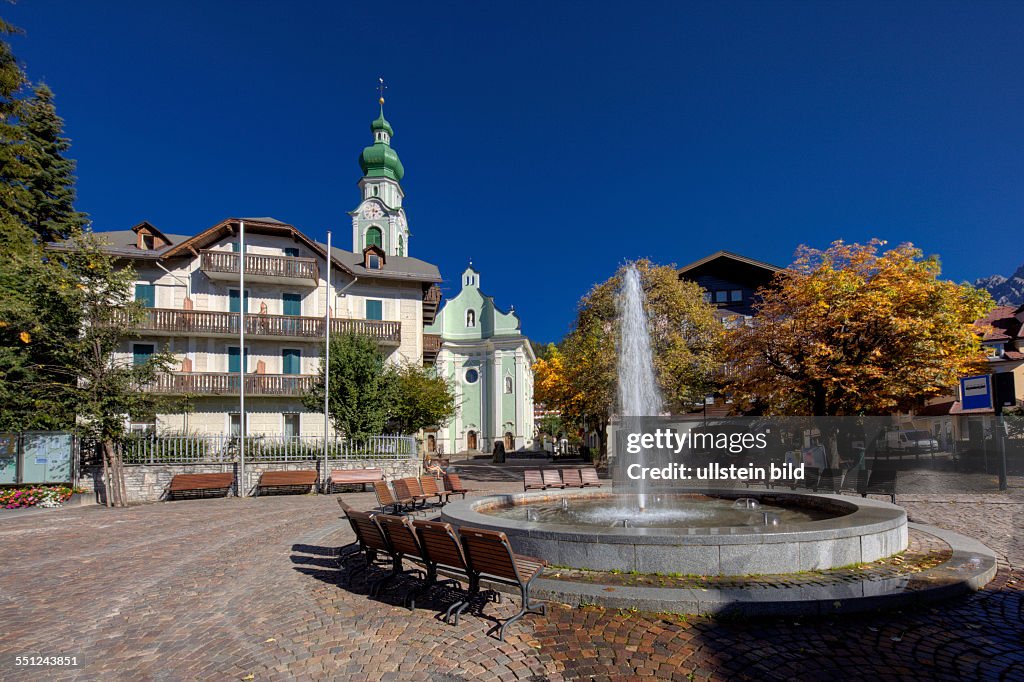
[{"x": 50, "y": 182}]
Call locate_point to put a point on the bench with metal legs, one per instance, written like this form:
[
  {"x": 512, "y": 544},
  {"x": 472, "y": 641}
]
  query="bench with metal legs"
[
  {"x": 372, "y": 539},
  {"x": 489, "y": 556},
  {"x": 405, "y": 544},
  {"x": 442, "y": 550}
]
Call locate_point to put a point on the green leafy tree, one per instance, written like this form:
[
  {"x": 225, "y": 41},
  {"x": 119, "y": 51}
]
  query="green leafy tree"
[
  {"x": 82, "y": 337},
  {"x": 421, "y": 399},
  {"x": 50, "y": 178},
  {"x": 362, "y": 387}
]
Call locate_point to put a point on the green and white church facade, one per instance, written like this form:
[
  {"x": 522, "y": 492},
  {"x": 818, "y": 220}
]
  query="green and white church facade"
[{"x": 490, "y": 364}]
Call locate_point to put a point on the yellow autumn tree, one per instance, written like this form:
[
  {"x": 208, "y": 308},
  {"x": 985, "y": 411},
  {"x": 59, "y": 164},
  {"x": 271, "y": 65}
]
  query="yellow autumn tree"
[{"x": 852, "y": 331}]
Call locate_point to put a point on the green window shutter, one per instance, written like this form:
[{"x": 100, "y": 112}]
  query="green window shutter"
[
  {"x": 375, "y": 310},
  {"x": 234, "y": 304},
  {"x": 141, "y": 353},
  {"x": 235, "y": 360},
  {"x": 291, "y": 360},
  {"x": 292, "y": 304},
  {"x": 146, "y": 294}
]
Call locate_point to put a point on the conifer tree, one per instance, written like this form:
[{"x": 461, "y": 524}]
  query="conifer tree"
[{"x": 50, "y": 182}]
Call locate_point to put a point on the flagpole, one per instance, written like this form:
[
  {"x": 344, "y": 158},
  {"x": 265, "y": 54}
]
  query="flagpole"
[
  {"x": 242, "y": 358},
  {"x": 327, "y": 362}
]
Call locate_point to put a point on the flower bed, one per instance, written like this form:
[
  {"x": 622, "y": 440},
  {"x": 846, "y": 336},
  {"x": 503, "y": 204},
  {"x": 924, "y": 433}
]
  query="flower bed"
[{"x": 34, "y": 496}]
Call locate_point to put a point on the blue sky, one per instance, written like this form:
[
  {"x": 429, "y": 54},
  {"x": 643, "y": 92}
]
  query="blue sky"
[{"x": 549, "y": 142}]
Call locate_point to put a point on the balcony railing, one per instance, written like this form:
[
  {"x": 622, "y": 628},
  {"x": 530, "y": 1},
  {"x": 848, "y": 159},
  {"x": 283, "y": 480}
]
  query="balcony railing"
[
  {"x": 260, "y": 265},
  {"x": 227, "y": 383},
  {"x": 218, "y": 323},
  {"x": 431, "y": 347}
]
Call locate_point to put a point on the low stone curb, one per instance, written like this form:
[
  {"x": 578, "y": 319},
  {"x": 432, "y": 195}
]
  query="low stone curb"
[{"x": 970, "y": 568}]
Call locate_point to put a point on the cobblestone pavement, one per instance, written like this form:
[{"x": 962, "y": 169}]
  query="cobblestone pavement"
[{"x": 251, "y": 589}]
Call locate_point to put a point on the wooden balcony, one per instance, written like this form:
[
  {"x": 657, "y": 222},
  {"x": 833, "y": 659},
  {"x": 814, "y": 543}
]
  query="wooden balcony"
[
  {"x": 223, "y": 383},
  {"x": 172, "y": 322},
  {"x": 431, "y": 302},
  {"x": 431, "y": 347},
  {"x": 223, "y": 265}
]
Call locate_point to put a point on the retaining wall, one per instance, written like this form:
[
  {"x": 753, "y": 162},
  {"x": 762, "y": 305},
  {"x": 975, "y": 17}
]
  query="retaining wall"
[{"x": 149, "y": 482}]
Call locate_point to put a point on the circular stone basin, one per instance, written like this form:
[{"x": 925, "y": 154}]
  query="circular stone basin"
[
  {"x": 660, "y": 511},
  {"x": 691, "y": 534}
]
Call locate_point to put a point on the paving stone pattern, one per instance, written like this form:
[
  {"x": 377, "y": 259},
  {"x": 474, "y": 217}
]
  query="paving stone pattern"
[{"x": 227, "y": 589}]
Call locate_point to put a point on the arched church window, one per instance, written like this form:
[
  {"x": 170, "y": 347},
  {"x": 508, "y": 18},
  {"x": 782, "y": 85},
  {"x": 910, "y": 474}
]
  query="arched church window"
[
  {"x": 375, "y": 237},
  {"x": 470, "y": 318},
  {"x": 401, "y": 245},
  {"x": 508, "y": 384},
  {"x": 376, "y": 191}
]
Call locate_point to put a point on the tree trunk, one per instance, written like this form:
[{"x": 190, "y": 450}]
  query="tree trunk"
[
  {"x": 106, "y": 477},
  {"x": 115, "y": 479}
]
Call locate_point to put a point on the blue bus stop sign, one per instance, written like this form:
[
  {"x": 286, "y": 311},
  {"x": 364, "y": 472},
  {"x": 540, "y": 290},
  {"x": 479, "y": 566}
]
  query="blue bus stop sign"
[{"x": 976, "y": 392}]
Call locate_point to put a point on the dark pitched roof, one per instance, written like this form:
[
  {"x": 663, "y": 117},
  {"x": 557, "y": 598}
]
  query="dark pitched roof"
[
  {"x": 1001, "y": 324},
  {"x": 398, "y": 268},
  {"x": 730, "y": 256}
]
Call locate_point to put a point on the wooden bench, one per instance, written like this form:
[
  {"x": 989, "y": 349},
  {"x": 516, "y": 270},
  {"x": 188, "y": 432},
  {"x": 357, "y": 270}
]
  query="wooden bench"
[
  {"x": 200, "y": 485},
  {"x": 303, "y": 480},
  {"x": 360, "y": 477}
]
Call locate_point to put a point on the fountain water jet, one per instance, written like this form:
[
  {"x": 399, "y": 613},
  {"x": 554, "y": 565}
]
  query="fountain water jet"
[{"x": 638, "y": 391}]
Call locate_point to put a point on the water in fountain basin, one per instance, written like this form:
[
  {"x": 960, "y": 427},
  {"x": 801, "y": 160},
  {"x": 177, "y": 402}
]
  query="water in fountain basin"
[{"x": 639, "y": 395}]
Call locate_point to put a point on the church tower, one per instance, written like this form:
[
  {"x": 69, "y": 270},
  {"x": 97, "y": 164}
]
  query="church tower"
[{"x": 380, "y": 218}]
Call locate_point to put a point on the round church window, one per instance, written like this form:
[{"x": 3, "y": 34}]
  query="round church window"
[{"x": 471, "y": 376}]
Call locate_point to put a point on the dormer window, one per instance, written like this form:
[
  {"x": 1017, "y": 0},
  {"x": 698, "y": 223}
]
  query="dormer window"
[
  {"x": 374, "y": 258},
  {"x": 148, "y": 238},
  {"x": 470, "y": 318}
]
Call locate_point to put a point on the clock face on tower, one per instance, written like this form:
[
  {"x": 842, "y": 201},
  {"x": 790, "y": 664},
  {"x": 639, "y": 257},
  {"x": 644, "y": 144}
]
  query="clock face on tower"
[{"x": 372, "y": 211}]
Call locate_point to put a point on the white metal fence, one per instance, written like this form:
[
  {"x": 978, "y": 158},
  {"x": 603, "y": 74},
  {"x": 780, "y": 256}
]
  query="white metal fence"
[{"x": 218, "y": 448}]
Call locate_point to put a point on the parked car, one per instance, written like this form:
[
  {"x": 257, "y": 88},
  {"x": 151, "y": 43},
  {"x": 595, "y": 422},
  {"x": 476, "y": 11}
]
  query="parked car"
[{"x": 910, "y": 441}]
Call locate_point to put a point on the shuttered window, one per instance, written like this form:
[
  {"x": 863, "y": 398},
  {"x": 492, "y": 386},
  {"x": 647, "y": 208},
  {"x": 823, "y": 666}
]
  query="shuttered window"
[{"x": 146, "y": 294}]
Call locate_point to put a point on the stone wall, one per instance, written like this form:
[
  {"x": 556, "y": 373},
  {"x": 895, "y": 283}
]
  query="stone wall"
[{"x": 149, "y": 482}]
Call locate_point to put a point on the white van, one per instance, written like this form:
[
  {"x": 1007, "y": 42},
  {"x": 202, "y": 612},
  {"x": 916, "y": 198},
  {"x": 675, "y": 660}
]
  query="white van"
[{"x": 911, "y": 441}]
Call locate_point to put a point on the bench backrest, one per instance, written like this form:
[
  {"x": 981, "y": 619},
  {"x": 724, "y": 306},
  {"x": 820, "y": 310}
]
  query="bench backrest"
[
  {"x": 304, "y": 477},
  {"x": 368, "y": 531},
  {"x": 201, "y": 481},
  {"x": 572, "y": 477},
  {"x": 402, "y": 491},
  {"x": 552, "y": 477},
  {"x": 429, "y": 485},
  {"x": 440, "y": 544},
  {"x": 831, "y": 478},
  {"x": 401, "y": 535},
  {"x": 384, "y": 496},
  {"x": 589, "y": 475},
  {"x": 856, "y": 479},
  {"x": 414, "y": 486},
  {"x": 488, "y": 552},
  {"x": 882, "y": 480},
  {"x": 357, "y": 475},
  {"x": 453, "y": 482},
  {"x": 532, "y": 478}
]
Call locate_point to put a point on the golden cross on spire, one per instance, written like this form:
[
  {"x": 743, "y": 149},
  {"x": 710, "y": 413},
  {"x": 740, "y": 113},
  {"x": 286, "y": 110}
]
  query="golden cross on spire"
[{"x": 380, "y": 89}]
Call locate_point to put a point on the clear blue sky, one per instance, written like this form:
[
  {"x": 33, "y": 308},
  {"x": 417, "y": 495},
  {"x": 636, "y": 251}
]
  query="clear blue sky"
[{"x": 549, "y": 142}]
